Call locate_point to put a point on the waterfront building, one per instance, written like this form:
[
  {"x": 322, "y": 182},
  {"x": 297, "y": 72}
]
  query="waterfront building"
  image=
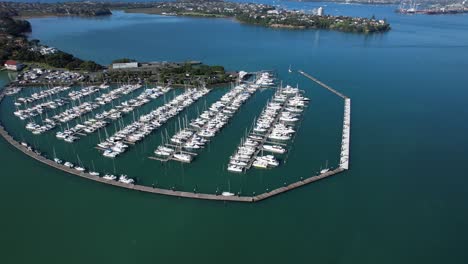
[
  {"x": 126, "y": 65},
  {"x": 320, "y": 11},
  {"x": 274, "y": 11},
  {"x": 13, "y": 65}
]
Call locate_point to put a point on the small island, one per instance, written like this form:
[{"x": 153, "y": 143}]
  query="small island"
[{"x": 249, "y": 13}]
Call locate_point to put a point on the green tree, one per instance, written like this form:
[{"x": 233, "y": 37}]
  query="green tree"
[{"x": 123, "y": 60}]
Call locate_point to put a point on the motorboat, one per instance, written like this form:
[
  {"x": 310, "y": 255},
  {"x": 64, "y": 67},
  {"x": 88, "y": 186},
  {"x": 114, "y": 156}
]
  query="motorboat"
[
  {"x": 274, "y": 149},
  {"x": 125, "y": 179},
  {"x": 183, "y": 157},
  {"x": 81, "y": 169},
  {"x": 109, "y": 177}
]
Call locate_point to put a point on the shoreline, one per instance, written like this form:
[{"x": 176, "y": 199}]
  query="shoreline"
[{"x": 347, "y": 24}]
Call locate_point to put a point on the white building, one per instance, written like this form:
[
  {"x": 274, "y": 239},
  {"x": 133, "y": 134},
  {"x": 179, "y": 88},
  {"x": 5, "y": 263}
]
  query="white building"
[
  {"x": 44, "y": 50},
  {"x": 13, "y": 65},
  {"x": 274, "y": 11},
  {"x": 126, "y": 65},
  {"x": 320, "y": 11}
]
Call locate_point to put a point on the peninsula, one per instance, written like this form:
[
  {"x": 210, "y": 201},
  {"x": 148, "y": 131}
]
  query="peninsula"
[
  {"x": 48, "y": 65},
  {"x": 249, "y": 13}
]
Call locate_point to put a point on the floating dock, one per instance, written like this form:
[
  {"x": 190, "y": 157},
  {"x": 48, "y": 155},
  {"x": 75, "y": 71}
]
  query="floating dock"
[{"x": 265, "y": 138}]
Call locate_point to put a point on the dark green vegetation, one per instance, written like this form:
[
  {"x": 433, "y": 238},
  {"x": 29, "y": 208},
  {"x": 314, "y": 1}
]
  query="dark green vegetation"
[
  {"x": 403, "y": 201},
  {"x": 264, "y": 15},
  {"x": 257, "y": 14},
  {"x": 302, "y": 21},
  {"x": 16, "y": 28},
  {"x": 123, "y": 60},
  {"x": 192, "y": 74},
  {"x": 54, "y": 9},
  {"x": 15, "y": 46}
]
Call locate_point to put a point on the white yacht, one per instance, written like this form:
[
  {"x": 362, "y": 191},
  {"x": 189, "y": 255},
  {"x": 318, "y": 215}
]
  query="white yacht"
[
  {"x": 183, "y": 157},
  {"x": 110, "y": 154},
  {"x": 274, "y": 149},
  {"x": 124, "y": 179},
  {"x": 238, "y": 163},
  {"x": 78, "y": 168},
  {"x": 270, "y": 159},
  {"x": 109, "y": 177},
  {"x": 161, "y": 153},
  {"x": 260, "y": 164},
  {"x": 278, "y": 136},
  {"x": 234, "y": 168}
]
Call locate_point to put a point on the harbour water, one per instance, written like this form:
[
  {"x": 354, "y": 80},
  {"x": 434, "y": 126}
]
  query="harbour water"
[{"x": 403, "y": 199}]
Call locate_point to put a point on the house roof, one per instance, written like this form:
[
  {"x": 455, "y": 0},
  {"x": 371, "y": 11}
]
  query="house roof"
[{"x": 11, "y": 62}]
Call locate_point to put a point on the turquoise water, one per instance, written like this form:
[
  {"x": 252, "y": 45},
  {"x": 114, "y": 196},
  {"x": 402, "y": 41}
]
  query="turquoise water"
[{"x": 402, "y": 201}]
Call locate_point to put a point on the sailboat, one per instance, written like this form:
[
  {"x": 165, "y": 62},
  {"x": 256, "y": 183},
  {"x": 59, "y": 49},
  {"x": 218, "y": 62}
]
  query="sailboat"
[
  {"x": 94, "y": 173},
  {"x": 57, "y": 160},
  {"x": 228, "y": 193},
  {"x": 326, "y": 168},
  {"x": 79, "y": 167},
  {"x": 289, "y": 70}
]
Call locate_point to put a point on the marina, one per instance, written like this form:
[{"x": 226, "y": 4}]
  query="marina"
[
  {"x": 82, "y": 109},
  {"x": 102, "y": 119},
  {"x": 41, "y": 95},
  {"x": 275, "y": 126},
  {"x": 146, "y": 124},
  {"x": 38, "y": 109},
  {"x": 408, "y": 94},
  {"x": 197, "y": 133},
  {"x": 271, "y": 142}
]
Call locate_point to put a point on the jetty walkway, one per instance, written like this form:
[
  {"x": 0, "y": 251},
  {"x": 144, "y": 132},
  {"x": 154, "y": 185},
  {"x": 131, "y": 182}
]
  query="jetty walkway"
[
  {"x": 323, "y": 85},
  {"x": 345, "y": 138},
  {"x": 344, "y": 164}
]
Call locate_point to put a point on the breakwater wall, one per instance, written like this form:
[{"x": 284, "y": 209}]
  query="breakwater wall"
[{"x": 193, "y": 195}]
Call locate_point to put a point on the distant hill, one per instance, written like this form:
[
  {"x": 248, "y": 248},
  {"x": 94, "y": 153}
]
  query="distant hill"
[{"x": 422, "y": 2}]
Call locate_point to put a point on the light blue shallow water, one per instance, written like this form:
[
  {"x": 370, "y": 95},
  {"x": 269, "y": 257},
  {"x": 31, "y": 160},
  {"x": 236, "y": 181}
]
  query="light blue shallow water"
[{"x": 402, "y": 201}]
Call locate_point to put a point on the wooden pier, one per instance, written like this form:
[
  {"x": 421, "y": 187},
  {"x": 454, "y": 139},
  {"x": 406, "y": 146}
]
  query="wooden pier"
[
  {"x": 148, "y": 189},
  {"x": 179, "y": 147},
  {"x": 265, "y": 137}
]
